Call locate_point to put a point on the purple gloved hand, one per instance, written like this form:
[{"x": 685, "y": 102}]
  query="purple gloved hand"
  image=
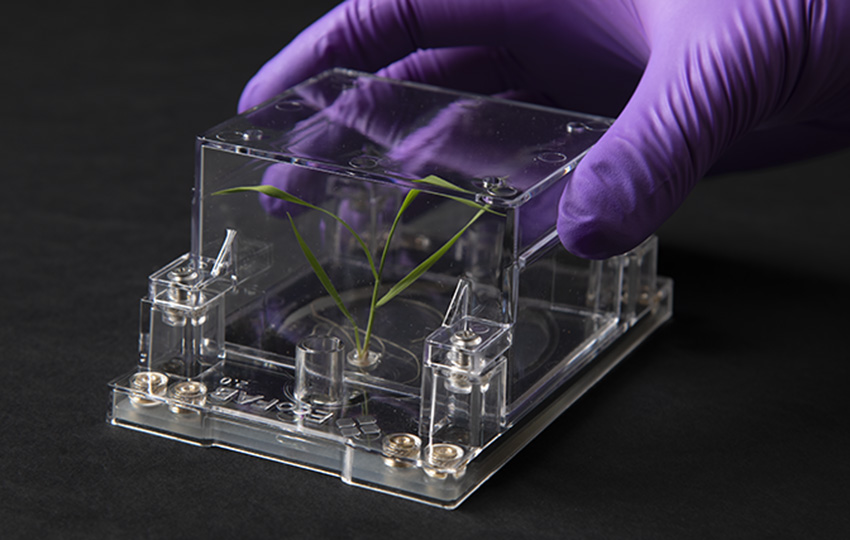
[{"x": 752, "y": 81}]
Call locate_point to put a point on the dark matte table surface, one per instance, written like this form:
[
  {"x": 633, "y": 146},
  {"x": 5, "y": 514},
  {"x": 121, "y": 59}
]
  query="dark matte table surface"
[{"x": 732, "y": 421}]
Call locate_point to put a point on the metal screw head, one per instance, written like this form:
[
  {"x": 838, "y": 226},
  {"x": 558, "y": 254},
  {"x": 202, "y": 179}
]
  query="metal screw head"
[
  {"x": 187, "y": 392},
  {"x": 462, "y": 341},
  {"x": 466, "y": 338},
  {"x": 152, "y": 382},
  {"x": 147, "y": 383},
  {"x": 181, "y": 291},
  {"x": 401, "y": 445},
  {"x": 442, "y": 459},
  {"x": 182, "y": 274},
  {"x": 443, "y": 453}
]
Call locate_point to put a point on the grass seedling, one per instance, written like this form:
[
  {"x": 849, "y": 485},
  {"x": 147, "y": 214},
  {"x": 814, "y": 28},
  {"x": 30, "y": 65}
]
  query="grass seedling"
[{"x": 377, "y": 300}]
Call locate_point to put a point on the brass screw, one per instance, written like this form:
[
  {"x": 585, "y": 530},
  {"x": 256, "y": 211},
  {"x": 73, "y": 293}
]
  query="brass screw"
[
  {"x": 187, "y": 392},
  {"x": 147, "y": 383},
  {"x": 442, "y": 456},
  {"x": 400, "y": 448}
]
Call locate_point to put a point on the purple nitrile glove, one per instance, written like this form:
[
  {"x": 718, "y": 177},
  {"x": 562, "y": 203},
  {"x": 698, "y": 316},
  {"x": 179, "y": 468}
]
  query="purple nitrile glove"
[{"x": 761, "y": 81}]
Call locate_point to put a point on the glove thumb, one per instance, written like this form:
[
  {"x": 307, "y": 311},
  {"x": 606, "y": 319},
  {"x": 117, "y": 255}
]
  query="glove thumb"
[{"x": 633, "y": 179}]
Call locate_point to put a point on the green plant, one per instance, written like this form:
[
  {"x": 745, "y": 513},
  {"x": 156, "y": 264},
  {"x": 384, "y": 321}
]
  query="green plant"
[{"x": 377, "y": 300}]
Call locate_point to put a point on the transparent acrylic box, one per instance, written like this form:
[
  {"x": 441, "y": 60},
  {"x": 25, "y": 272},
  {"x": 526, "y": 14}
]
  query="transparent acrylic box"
[{"x": 485, "y": 327}]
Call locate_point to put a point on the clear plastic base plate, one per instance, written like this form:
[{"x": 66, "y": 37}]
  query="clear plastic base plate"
[{"x": 375, "y": 288}]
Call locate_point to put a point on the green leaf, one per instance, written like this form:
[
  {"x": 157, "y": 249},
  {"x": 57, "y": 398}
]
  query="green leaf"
[
  {"x": 272, "y": 191},
  {"x": 435, "y": 180},
  {"x": 412, "y": 194},
  {"x": 321, "y": 274},
  {"x": 423, "y": 267}
]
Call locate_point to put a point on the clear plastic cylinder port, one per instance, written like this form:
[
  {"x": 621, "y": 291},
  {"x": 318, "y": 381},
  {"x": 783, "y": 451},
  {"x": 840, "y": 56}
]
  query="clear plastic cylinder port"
[{"x": 319, "y": 371}]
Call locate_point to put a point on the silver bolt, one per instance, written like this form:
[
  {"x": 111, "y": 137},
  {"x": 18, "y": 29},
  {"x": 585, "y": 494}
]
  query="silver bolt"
[
  {"x": 187, "y": 393},
  {"x": 461, "y": 341},
  {"x": 181, "y": 278},
  {"x": 465, "y": 339},
  {"x": 183, "y": 275},
  {"x": 399, "y": 448},
  {"x": 147, "y": 383},
  {"x": 440, "y": 458}
]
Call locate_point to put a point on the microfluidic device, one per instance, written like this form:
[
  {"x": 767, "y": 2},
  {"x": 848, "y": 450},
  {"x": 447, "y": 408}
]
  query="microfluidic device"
[{"x": 399, "y": 312}]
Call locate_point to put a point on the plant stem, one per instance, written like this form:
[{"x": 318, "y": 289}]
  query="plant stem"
[{"x": 362, "y": 353}]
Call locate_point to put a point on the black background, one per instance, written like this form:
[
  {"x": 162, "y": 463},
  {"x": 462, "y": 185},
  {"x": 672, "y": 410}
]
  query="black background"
[{"x": 732, "y": 421}]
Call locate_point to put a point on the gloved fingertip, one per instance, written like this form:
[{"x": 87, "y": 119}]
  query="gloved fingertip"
[
  {"x": 607, "y": 206},
  {"x": 582, "y": 241},
  {"x": 249, "y": 95},
  {"x": 595, "y": 238}
]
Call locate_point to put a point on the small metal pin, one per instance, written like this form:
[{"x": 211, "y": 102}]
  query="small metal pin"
[{"x": 226, "y": 247}]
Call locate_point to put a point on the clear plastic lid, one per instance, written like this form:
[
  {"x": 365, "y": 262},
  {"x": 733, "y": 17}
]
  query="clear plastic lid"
[{"x": 353, "y": 124}]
